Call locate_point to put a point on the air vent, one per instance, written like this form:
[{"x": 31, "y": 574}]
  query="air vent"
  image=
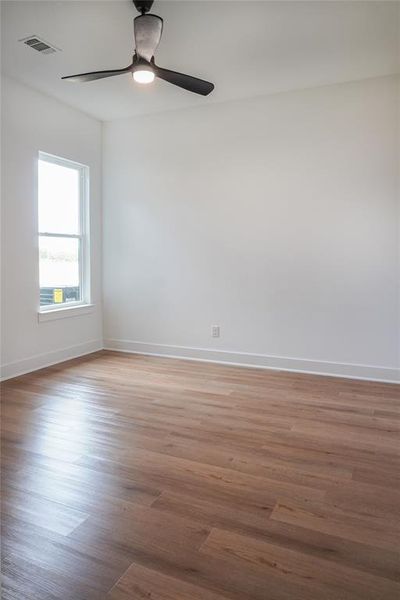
[{"x": 33, "y": 41}]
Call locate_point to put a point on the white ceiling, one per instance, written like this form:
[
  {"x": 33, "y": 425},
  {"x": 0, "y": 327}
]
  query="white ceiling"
[{"x": 246, "y": 48}]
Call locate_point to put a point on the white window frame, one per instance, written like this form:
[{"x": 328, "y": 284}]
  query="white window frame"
[{"x": 67, "y": 309}]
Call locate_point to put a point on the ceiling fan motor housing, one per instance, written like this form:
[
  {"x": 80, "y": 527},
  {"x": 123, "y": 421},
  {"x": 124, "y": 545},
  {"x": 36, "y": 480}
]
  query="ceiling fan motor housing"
[{"x": 147, "y": 35}]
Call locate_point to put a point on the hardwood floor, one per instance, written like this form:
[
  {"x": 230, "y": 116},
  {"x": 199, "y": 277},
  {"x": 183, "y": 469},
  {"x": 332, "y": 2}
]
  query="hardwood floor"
[{"x": 130, "y": 477}]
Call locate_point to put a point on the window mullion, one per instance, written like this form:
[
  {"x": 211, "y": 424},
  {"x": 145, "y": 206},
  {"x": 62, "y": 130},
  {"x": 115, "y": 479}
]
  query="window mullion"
[{"x": 60, "y": 235}]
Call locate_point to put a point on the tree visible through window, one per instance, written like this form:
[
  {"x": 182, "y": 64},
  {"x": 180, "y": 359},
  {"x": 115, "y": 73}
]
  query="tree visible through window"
[{"x": 63, "y": 232}]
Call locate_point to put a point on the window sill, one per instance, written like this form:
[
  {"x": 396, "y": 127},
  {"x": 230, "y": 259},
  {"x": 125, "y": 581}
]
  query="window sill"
[{"x": 65, "y": 312}]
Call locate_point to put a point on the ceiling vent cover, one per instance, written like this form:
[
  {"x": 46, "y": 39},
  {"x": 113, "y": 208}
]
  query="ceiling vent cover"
[{"x": 33, "y": 41}]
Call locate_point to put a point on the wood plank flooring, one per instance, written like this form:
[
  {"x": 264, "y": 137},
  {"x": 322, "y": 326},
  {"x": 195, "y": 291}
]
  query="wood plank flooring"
[{"x": 130, "y": 477}]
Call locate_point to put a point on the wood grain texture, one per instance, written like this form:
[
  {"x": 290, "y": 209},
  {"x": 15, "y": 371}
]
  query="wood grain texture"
[{"x": 130, "y": 477}]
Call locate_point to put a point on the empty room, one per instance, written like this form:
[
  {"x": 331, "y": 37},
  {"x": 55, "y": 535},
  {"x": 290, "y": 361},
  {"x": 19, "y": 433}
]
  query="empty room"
[{"x": 200, "y": 300}]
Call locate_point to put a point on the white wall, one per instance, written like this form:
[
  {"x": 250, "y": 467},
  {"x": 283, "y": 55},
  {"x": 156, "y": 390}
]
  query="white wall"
[
  {"x": 33, "y": 122},
  {"x": 275, "y": 218}
]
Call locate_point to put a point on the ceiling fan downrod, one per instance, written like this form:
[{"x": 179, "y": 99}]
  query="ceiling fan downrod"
[{"x": 143, "y": 6}]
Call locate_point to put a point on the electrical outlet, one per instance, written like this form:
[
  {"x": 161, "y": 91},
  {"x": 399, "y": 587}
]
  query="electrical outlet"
[{"x": 215, "y": 331}]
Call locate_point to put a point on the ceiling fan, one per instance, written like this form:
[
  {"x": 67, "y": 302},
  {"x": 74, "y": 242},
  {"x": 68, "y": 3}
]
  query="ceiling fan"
[{"x": 147, "y": 35}]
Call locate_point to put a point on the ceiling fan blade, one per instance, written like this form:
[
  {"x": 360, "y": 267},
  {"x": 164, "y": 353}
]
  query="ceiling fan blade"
[
  {"x": 82, "y": 77},
  {"x": 147, "y": 33},
  {"x": 187, "y": 82}
]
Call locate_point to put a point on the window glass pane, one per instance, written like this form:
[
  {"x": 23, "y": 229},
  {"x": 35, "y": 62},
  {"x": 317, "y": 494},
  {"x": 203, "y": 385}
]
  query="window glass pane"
[
  {"x": 59, "y": 270},
  {"x": 58, "y": 194}
]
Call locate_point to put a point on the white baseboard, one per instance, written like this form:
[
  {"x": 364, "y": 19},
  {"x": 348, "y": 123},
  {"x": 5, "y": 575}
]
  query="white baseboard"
[
  {"x": 244, "y": 359},
  {"x": 264, "y": 361},
  {"x": 40, "y": 361}
]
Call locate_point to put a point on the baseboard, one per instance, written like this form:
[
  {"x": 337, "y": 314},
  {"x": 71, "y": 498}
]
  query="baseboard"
[
  {"x": 40, "y": 361},
  {"x": 246, "y": 359},
  {"x": 280, "y": 363}
]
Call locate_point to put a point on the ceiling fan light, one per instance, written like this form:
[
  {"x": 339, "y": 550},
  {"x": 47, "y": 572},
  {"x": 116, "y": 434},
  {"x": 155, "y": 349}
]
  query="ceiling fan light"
[{"x": 143, "y": 76}]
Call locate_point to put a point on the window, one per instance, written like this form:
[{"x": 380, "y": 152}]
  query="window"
[{"x": 63, "y": 233}]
